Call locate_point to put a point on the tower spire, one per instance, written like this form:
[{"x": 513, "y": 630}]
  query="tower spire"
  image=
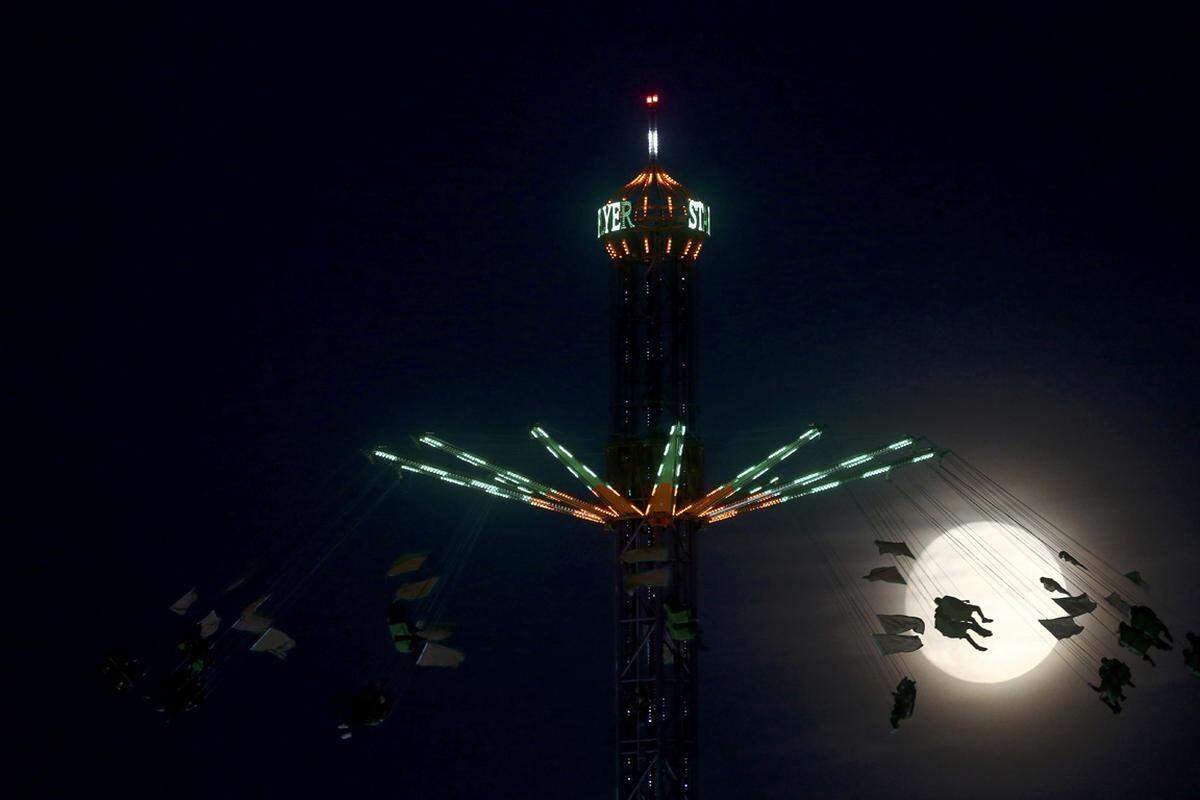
[{"x": 652, "y": 134}]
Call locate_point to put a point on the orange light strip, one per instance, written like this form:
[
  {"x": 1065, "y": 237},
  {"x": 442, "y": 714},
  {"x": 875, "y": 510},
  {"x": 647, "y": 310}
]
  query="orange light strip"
[
  {"x": 582, "y": 505},
  {"x": 589, "y": 478},
  {"x": 702, "y": 499},
  {"x": 750, "y": 499},
  {"x": 575, "y": 512},
  {"x": 733, "y": 512}
]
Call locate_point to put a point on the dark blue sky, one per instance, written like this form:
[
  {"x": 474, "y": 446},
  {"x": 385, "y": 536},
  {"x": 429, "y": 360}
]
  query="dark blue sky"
[{"x": 257, "y": 243}]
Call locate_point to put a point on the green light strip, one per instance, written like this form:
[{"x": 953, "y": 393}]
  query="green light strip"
[
  {"x": 468, "y": 482},
  {"x": 661, "y": 500},
  {"x": 754, "y": 471},
  {"x": 602, "y": 490},
  {"x": 506, "y": 476},
  {"x": 782, "y": 491},
  {"x": 768, "y": 463}
]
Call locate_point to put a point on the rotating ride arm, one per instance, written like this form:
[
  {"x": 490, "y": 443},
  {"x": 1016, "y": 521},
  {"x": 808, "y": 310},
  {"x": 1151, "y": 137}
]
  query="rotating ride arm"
[
  {"x": 509, "y": 479},
  {"x": 666, "y": 483},
  {"x": 620, "y": 505},
  {"x": 877, "y": 462},
  {"x": 514, "y": 492},
  {"x": 749, "y": 474}
]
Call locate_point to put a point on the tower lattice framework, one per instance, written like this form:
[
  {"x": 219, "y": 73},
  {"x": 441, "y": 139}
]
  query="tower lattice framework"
[{"x": 653, "y": 234}]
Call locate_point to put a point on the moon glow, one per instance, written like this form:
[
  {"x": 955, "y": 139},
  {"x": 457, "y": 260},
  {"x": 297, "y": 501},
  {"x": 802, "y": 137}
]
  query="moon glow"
[{"x": 1018, "y": 643}]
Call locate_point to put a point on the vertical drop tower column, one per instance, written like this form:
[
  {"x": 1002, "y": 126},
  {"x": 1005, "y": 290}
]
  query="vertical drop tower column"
[{"x": 653, "y": 231}]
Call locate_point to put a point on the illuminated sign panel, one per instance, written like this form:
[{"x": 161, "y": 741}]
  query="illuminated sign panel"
[
  {"x": 699, "y": 216},
  {"x": 613, "y": 217},
  {"x": 618, "y": 216}
]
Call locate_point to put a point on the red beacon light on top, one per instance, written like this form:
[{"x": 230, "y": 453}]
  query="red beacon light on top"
[{"x": 651, "y": 99}]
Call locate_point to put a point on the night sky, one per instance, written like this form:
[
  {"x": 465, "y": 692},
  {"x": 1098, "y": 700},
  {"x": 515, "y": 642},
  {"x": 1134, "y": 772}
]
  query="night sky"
[{"x": 256, "y": 244}]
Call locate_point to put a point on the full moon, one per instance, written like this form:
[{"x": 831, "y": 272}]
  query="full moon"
[{"x": 1018, "y": 643}]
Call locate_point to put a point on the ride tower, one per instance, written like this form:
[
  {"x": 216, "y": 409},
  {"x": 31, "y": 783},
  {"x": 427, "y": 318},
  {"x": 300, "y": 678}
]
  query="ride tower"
[
  {"x": 650, "y": 498},
  {"x": 653, "y": 231}
]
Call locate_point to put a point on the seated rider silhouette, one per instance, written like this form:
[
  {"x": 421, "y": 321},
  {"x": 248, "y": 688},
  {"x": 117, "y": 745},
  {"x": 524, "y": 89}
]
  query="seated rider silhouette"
[
  {"x": 1139, "y": 641},
  {"x": 954, "y": 618},
  {"x": 958, "y": 609},
  {"x": 905, "y": 700},
  {"x": 1114, "y": 675}
]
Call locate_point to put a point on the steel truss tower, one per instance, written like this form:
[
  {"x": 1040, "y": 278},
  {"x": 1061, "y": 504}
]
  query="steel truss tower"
[
  {"x": 651, "y": 496},
  {"x": 653, "y": 234},
  {"x": 656, "y": 675}
]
